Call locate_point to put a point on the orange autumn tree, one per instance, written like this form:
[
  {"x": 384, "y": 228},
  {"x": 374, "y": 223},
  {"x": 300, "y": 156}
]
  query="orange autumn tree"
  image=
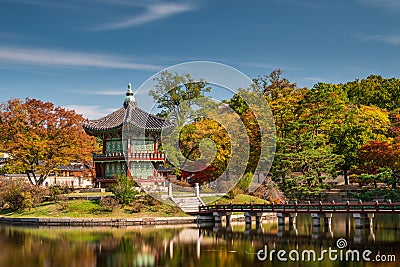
[{"x": 39, "y": 137}]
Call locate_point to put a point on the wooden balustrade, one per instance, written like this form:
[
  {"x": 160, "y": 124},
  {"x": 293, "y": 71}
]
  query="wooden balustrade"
[
  {"x": 375, "y": 207},
  {"x": 131, "y": 156}
]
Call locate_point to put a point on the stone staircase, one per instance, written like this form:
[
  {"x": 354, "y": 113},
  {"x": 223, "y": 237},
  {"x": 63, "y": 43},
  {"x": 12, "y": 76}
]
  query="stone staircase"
[
  {"x": 188, "y": 204},
  {"x": 342, "y": 194}
]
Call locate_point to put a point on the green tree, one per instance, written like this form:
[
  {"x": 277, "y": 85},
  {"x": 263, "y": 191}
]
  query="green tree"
[
  {"x": 283, "y": 99},
  {"x": 176, "y": 93},
  {"x": 319, "y": 109},
  {"x": 124, "y": 189},
  {"x": 353, "y": 129},
  {"x": 374, "y": 91},
  {"x": 302, "y": 163}
]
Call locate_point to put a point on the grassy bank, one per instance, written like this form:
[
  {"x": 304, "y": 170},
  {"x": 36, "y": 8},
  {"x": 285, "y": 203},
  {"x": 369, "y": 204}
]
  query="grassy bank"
[
  {"x": 241, "y": 198},
  {"x": 82, "y": 208}
]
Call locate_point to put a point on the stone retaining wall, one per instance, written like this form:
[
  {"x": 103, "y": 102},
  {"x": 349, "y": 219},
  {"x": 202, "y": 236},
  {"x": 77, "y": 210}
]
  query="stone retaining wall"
[{"x": 96, "y": 221}]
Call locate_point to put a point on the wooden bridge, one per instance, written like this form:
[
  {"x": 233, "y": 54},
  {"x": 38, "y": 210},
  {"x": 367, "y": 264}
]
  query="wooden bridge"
[
  {"x": 376, "y": 207},
  {"x": 363, "y": 213}
]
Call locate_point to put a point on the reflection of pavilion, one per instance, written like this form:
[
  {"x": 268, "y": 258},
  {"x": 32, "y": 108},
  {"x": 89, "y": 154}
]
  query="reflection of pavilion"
[
  {"x": 220, "y": 238},
  {"x": 146, "y": 162}
]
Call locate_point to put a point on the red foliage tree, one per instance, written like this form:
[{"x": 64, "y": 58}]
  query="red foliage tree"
[{"x": 39, "y": 137}]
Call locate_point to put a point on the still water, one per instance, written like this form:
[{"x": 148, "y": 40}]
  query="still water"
[{"x": 191, "y": 245}]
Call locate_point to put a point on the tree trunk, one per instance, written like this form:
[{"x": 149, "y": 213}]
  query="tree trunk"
[
  {"x": 41, "y": 180},
  {"x": 346, "y": 177},
  {"x": 395, "y": 179},
  {"x": 36, "y": 181},
  {"x": 31, "y": 179},
  {"x": 320, "y": 180}
]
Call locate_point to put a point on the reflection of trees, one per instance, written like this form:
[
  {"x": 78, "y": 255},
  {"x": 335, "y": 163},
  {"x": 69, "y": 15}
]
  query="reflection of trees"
[
  {"x": 78, "y": 247},
  {"x": 19, "y": 248},
  {"x": 106, "y": 247},
  {"x": 139, "y": 248}
]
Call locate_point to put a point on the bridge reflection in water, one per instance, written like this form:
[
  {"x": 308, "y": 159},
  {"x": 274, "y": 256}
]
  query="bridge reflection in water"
[
  {"x": 210, "y": 244},
  {"x": 289, "y": 232},
  {"x": 303, "y": 232}
]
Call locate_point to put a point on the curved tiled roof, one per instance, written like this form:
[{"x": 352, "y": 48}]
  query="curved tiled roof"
[{"x": 134, "y": 115}]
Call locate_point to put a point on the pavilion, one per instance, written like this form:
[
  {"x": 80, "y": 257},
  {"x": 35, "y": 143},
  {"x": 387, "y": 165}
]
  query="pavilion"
[{"x": 142, "y": 158}]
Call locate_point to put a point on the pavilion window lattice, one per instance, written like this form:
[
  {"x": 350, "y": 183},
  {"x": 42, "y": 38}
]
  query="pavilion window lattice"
[
  {"x": 114, "y": 146},
  {"x": 138, "y": 145},
  {"x": 141, "y": 169},
  {"x": 113, "y": 169}
]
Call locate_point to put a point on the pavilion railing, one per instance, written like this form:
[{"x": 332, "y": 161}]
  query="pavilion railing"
[{"x": 138, "y": 156}]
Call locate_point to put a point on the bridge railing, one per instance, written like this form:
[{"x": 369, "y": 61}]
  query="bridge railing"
[{"x": 305, "y": 207}]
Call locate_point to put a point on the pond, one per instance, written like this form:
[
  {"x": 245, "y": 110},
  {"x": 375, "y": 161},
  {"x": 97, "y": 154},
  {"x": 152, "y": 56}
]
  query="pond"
[{"x": 191, "y": 245}]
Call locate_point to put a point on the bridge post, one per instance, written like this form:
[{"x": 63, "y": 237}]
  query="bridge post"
[
  {"x": 217, "y": 217},
  {"x": 369, "y": 219},
  {"x": 228, "y": 219},
  {"x": 328, "y": 220},
  {"x": 363, "y": 219},
  {"x": 247, "y": 218},
  {"x": 169, "y": 189},
  {"x": 281, "y": 219},
  {"x": 197, "y": 189},
  {"x": 282, "y": 215},
  {"x": 292, "y": 219},
  {"x": 258, "y": 221},
  {"x": 315, "y": 219}
]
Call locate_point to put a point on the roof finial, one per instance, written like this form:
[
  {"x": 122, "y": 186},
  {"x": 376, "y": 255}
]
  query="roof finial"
[
  {"x": 129, "y": 92},
  {"x": 129, "y": 95}
]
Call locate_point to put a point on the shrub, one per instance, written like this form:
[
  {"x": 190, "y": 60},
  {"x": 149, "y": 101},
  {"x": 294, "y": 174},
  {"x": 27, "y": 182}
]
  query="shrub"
[
  {"x": 27, "y": 200},
  {"x": 234, "y": 192},
  {"x": 66, "y": 189},
  {"x": 18, "y": 194},
  {"x": 137, "y": 206},
  {"x": 124, "y": 189},
  {"x": 54, "y": 192},
  {"x": 245, "y": 181},
  {"x": 64, "y": 202},
  {"x": 108, "y": 203},
  {"x": 150, "y": 203},
  {"x": 242, "y": 186}
]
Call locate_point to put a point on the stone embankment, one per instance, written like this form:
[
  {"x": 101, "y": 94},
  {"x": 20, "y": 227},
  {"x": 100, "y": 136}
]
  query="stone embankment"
[{"x": 97, "y": 221}]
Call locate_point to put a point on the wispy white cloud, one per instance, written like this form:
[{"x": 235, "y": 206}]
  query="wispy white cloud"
[
  {"x": 305, "y": 3},
  {"x": 390, "y": 39},
  {"x": 98, "y": 92},
  {"x": 67, "y": 59},
  {"x": 149, "y": 10},
  {"x": 313, "y": 79},
  {"x": 7, "y": 35},
  {"x": 153, "y": 12},
  {"x": 387, "y": 4},
  {"x": 43, "y": 3},
  {"x": 90, "y": 111},
  {"x": 261, "y": 65}
]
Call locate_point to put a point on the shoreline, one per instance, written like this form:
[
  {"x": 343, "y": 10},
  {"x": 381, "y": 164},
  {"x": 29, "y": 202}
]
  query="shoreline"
[
  {"x": 97, "y": 221},
  {"x": 66, "y": 221}
]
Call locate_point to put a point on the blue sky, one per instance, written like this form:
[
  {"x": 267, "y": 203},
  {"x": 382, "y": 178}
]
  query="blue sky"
[{"x": 82, "y": 53}]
